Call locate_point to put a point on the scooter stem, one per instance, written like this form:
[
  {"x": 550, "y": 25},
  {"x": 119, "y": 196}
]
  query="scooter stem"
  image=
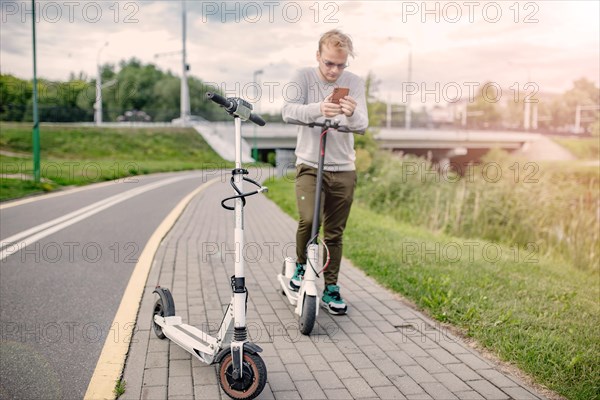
[
  {"x": 239, "y": 295},
  {"x": 238, "y": 142},
  {"x": 317, "y": 210}
]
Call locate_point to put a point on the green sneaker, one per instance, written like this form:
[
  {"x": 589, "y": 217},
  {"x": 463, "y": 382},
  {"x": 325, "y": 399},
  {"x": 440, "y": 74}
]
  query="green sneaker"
[
  {"x": 296, "y": 280},
  {"x": 332, "y": 301}
]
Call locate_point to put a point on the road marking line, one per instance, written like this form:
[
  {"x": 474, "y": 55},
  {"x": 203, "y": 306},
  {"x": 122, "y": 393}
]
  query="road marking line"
[
  {"x": 112, "y": 359},
  {"x": 23, "y": 239}
]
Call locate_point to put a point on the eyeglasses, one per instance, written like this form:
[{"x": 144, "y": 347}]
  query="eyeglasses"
[{"x": 330, "y": 64}]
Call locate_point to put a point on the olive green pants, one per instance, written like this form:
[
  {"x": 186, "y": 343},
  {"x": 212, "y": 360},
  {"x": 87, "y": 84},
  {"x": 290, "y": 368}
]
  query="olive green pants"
[{"x": 336, "y": 201}]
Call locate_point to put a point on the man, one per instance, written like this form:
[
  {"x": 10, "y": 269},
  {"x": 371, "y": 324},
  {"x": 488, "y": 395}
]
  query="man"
[{"x": 313, "y": 103}]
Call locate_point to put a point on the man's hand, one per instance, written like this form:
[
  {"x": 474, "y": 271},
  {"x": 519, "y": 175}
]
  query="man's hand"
[
  {"x": 329, "y": 109},
  {"x": 348, "y": 105}
]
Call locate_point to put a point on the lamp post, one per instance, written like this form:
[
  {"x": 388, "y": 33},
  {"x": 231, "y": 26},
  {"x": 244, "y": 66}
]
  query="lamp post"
[
  {"x": 407, "y": 112},
  {"x": 527, "y": 111},
  {"x": 257, "y": 110},
  {"x": 185, "y": 91},
  {"x": 578, "y": 110},
  {"x": 388, "y": 112},
  {"x": 36, "y": 120},
  {"x": 98, "y": 105},
  {"x": 527, "y": 120},
  {"x": 408, "y": 117}
]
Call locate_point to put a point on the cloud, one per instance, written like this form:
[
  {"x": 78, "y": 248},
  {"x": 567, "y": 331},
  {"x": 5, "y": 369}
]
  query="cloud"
[{"x": 561, "y": 47}]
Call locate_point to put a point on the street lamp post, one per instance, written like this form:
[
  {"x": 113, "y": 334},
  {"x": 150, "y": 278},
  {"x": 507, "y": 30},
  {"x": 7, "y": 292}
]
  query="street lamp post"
[
  {"x": 36, "y": 120},
  {"x": 527, "y": 111},
  {"x": 185, "y": 91},
  {"x": 527, "y": 119},
  {"x": 256, "y": 110},
  {"x": 388, "y": 113},
  {"x": 98, "y": 105},
  {"x": 407, "y": 112},
  {"x": 407, "y": 121},
  {"x": 578, "y": 110}
]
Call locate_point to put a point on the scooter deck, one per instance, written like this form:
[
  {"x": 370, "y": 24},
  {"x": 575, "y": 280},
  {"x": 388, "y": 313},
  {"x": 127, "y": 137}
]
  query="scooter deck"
[
  {"x": 190, "y": 338},
  {"x": 291, "y": 295}
]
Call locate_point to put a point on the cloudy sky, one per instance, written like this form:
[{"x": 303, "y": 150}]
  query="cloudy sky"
[{"x": 455, "y": 45}]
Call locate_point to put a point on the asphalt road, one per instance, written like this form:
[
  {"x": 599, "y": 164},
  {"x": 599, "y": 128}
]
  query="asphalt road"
[{"x": 64, "y": 265}]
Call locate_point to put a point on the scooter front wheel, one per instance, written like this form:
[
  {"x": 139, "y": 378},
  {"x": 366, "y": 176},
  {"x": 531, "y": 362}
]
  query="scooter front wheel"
[
  {"x": 309, "y": 314},
  {"x": 163, "y": 310},
  {"x": 254, "y": 377}
]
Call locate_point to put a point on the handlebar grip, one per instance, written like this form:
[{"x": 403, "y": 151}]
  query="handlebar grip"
[
  {"x": 348, "y": 130},
  {"x": 217, "y": 98},
  {"x": 257, "y": 119}
]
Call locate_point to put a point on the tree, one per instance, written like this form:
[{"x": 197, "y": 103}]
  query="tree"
[
  {"x": 365, "y": 144},
  {"x": 199, "y": 104},
  {"x": 583, "y": 93},
  {"x": 484, "y": 108},
  {"x": 167, "y": 90},
  {"x": 14, "y": 97}
]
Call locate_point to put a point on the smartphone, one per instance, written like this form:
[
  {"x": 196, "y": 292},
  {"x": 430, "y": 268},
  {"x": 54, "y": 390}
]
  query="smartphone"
[{"x": 339, "y": 93}]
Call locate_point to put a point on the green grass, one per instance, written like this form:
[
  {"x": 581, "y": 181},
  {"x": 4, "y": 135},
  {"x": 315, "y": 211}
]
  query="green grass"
[
  {"x": 553, "y": 206},
  {"x": 528, "y": 309},
  {"x": 127, "y": 144},
  {"x": 119, "y": 389},
  {"x": 582, "y": 148},
  {"x": 81, "y": 155},
  {"x": 13, "y": 188}
]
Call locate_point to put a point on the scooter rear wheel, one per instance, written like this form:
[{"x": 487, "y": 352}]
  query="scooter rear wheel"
[
  {"x": 254, "y": 377},
  {"x": 308, "y": 317}
]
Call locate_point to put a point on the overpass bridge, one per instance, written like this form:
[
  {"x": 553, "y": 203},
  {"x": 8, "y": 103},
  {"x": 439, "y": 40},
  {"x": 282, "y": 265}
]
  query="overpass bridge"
[
  {"x": 442, "y": 146},
  {"x": 457, "y": 146}
]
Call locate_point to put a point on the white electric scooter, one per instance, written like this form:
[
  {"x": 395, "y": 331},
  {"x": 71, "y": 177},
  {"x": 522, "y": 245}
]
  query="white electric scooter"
[
  {"x": 306, "y": 298},
  {"x": 242, "y": 372}
]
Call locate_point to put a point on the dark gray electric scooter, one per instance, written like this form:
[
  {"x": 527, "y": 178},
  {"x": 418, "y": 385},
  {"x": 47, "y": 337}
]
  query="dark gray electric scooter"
[{"x": 306, "y": 298}]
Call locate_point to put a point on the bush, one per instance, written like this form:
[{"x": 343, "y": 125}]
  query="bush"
[{"x": 541, "y": 208}]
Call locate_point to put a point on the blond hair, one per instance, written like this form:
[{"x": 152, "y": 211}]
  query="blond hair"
[{"x": 338, "y": 40}]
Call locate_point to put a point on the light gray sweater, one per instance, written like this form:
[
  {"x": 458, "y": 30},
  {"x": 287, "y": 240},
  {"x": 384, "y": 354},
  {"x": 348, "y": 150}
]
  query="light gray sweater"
[{"x": 303, "y": 96}]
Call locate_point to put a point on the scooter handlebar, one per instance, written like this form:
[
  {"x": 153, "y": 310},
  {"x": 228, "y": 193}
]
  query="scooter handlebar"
[
  {"x": 328, "y": 123},
  {"x": 220, "y": 100},
  {"x": 232, "y": 106},
  {"x": 257, "y": 119}
]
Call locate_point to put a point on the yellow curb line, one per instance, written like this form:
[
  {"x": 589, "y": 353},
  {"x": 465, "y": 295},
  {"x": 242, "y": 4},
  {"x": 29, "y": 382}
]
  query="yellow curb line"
[{"x": 112, "y": 359}]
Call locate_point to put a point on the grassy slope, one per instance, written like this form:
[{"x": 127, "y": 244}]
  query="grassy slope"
[
  {"x": 82, "y": 155},
  {"x": 582, "y": 148},
  {"x": 541, "y": 316}
]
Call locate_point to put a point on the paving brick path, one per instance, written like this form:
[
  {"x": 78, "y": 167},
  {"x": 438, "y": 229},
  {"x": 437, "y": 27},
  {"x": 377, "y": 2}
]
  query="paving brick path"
[{"x": 382, "y": 349}]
